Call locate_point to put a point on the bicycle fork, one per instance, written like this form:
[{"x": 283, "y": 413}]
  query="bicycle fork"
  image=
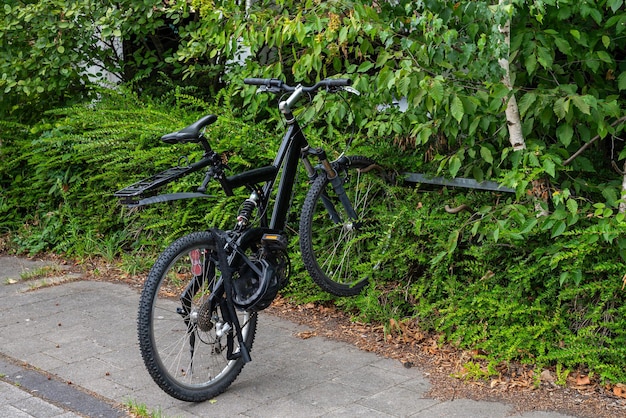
[{"x": 334, "y": 179}]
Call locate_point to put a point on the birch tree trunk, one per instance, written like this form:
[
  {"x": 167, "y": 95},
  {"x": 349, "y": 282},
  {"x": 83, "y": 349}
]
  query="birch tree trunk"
[
  {"x": 622, "y": 205},
  {"x": 513, "y": 120},
  {"x": 540, "y": 191}
]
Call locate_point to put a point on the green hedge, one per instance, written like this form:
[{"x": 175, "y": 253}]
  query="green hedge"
[{"x": 495, "y": 278}]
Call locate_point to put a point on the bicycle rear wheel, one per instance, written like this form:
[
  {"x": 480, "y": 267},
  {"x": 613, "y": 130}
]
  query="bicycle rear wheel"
[
  {"x": 339, "y": 252},
  {"x": 183, "y": 333}
]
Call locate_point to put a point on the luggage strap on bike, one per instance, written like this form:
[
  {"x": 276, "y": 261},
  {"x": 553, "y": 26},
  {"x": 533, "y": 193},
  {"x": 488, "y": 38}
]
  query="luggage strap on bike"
[
  {"x": 227, "y": 277},
  {"x": 164, "y": 198}
]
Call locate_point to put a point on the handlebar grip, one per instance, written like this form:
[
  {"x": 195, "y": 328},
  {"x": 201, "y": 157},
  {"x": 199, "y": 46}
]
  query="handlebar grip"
[
  {"x": 257, "y": 81},
  {"x": 338, "y": 82},
  {"x": 268, "y": 82}
]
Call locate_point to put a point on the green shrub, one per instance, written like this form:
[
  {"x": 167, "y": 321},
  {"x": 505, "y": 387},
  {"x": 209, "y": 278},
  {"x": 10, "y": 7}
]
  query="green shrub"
[
  {"x": 526, "y": 295},
  {"x": 59, "y": 176}
]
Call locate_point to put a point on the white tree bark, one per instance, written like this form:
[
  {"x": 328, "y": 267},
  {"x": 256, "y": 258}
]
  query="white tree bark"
[
  {"x": 513, "y": 120},
  {"x": 622, "y": 205}
]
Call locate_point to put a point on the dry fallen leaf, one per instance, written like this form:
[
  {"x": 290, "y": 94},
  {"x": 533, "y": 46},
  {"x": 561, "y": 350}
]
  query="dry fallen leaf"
[
  {"x": 393, "y": 323},
  {"x": 582, "y": 380},
  {"x": 305, "y": 335},
  {"x": 546, "y": 376},
  {"x": 619, "y": 390}
]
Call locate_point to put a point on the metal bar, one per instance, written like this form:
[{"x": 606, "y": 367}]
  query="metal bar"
[{"x": 457, "y": 182}]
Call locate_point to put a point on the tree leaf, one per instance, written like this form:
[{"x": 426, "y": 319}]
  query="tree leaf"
[
  {"x": 485, "y": 153},
  {"x": 456, "y": 108},
  {"x": 454, "y": 165},
  {"x": 621, "y": 81},
  {"x": 300, "y": 31},
  {"x": 581, "y": 104},
  {"x": 558, "y": 229},
  {"x": 615, "y": 4},
  {"x": 343, "y": 34},
  {"x": 604, "y": 56},
  {"x": 453, "y": 240},
  {"x": 436, "y": 91},
  {"x": 531, "y": 63},
  {"x": 525, "y": 102},
  {"x": 572, "y": 205},
  {"x": 578, "y": 276},
  {"x": 364, "y": 67},
  {"x": 425, "y": 134},
  {"x": 544, "y": 57},
  {"x": 549, "y": 167},
  {"x": 563, "y": 46},
  {"x": 564, "y": 133},
  {"x": 529, "y": 225},
  {"x": 385, "y": 78},
  {"x": 561, "y": 107},
  {"x": 474, "y": 125}
]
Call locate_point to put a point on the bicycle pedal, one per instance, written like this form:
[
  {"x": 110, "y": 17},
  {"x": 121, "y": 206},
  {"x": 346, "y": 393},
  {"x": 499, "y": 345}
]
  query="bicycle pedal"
[{"x": 274, "y": 241}]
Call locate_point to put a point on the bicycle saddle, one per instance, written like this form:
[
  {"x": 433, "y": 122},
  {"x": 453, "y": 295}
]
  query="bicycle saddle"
[{"x": 191, "y": 133}]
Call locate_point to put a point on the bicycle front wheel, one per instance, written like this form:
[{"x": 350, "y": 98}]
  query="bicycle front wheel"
[
  {"x": 340, "y": 253},
  {"x": 184, "y": 333}
]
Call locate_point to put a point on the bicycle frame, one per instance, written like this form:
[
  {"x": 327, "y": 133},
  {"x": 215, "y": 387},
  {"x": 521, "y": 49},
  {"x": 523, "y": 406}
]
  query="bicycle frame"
[
  {"x": 294, "y": 147},
  {"x": 291, "y": 150}
]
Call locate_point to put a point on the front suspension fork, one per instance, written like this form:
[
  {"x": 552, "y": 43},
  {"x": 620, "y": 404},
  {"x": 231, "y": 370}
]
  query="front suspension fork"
[{"x": 334, "y": 179}]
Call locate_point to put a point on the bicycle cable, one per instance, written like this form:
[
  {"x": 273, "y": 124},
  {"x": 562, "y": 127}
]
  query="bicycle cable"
[{"x": 352, "y": 135}]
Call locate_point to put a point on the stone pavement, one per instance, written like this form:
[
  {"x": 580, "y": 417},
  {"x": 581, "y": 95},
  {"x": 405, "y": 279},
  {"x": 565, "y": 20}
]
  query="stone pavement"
[{"x": 71, "y": 350}]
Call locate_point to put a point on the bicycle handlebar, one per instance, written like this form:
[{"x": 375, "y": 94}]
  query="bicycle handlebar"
[{"x": 282, "y": 86}]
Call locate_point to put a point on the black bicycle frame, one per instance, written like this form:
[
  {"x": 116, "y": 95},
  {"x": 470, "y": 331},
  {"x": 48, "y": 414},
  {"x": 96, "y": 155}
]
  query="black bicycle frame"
[{"x": 290, "y": 152}]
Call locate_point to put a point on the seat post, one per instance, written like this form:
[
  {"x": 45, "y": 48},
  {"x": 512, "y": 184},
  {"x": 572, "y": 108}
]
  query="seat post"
[{"x": 205, "y": 145}]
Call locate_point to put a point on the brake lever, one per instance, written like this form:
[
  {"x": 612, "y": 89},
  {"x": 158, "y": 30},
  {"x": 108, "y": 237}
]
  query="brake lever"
[
  {"x": 266, "y": 89},
  {"x": 351, "y": 90}
]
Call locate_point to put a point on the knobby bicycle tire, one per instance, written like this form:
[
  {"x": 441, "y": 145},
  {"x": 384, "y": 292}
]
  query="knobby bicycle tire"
[
  {"x": 342, "y": 254},
  {"x": 175, "y": 315}
]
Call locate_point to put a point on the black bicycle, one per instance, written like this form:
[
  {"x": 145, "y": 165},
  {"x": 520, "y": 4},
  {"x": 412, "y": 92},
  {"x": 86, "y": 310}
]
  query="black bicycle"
[{"x": 198, "y": 309}]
